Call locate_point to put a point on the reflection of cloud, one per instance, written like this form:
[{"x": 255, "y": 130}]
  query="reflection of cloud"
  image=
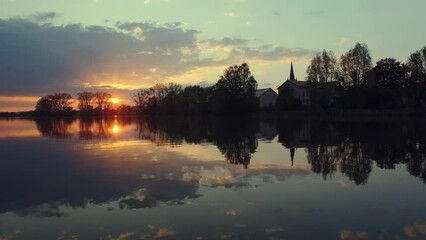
[
  {"x": 122, "y": 236},
  {"x": 416, "y": 230},
  {"x": 274, "y": 230},
  {"x": 44, "y": 210},
  {"x": 230, "y": 176},
  {"x": 352, "y": 235},
  {"x": 164, "y": 232},
  {"x": 226, "y": 236},
  {"x": 231, "y": 212}
]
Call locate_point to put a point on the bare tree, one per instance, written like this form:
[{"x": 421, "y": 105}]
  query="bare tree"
[
  {"x": 85, "y": 101},
  {"x": 102, "y": 100}
]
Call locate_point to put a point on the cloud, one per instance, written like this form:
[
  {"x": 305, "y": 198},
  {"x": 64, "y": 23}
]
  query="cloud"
[
  {"x": 227, "y": 41},
  {"x": 230, "y": 14},
  {"x": 342, "y": 41},
  {"x": 43, "y": 17},
  {"x": 39, "y": 58}
]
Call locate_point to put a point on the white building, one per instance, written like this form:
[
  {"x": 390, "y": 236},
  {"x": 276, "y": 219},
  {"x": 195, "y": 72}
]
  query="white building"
[{"x": 299, "y": 88}]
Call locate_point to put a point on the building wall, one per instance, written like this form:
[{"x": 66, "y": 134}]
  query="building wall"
[
  {"x": 268, "y": 99},
  {"x": 300, "y": 93}
]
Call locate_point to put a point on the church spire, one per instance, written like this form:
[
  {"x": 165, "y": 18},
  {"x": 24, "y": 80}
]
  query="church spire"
[{"x": 292, "y": 72}]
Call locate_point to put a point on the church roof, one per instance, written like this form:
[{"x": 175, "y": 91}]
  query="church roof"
[
  {"x": 300, "y": 84},
  {"x": 260, "y": 92}
]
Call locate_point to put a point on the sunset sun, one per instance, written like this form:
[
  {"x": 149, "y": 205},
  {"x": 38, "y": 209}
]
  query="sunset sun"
[{"x": 115, "y": 100}]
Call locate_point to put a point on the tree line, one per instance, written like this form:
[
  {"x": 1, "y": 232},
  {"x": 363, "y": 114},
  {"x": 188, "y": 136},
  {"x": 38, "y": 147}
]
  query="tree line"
[
  {"x": 389, "y": 84},
  {"x": 233, "y": 94},
  {"x": 350, "y": 82},
  {"x": 89, "y": 103}
]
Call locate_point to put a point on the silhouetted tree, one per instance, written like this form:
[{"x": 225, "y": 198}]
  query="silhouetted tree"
[
  {"x": 234, "y": 92},
  {"x": 386, "y": 86},
  {"x": 416, "y": 65},
  {"x": 58, "y": 103},
  {"x": 159, "y": 99},
  {"x": 102, "y": 101},
  {"x": 355, "y": 64},
  {"x": 143, "y": 99},
  {"x": 390, "y": 73},
  {"x": 195, "y": 100},
  {"x": 44, "y": 105},
  {"x": 322, "y": 70},
  {"x": 85, "y": 101}
]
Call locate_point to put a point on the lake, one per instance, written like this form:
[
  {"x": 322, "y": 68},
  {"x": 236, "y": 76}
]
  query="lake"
[{"x": 137, "y": 178}]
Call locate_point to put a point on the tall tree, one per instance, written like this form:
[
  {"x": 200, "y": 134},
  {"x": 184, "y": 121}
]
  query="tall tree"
[
  {"x": 56, "y": 103},
  {"x": 44, "y": 105},
  {"x": 390, "y": 73},
  {"x": 416, "y": 66},
  {"x": 355, "y": 64},
  {"x": 102, "y": 100},
  {"x": 85, "y": 101},
  {"x": 234, "y": 92},
  {"x": 322, "y": 70},
  {"x": 142, "y": 99}
]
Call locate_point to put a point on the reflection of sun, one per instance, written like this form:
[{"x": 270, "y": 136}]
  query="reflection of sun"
[
  {"x": 115, "y": 100},
  {"x": 115, "y": 129}
]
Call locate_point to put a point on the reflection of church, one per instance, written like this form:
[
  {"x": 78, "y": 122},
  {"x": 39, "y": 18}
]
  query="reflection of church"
[{"x": 298, "y": 138}]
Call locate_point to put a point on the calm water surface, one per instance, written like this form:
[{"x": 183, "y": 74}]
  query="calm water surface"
[{"x": 132, "y": 178}]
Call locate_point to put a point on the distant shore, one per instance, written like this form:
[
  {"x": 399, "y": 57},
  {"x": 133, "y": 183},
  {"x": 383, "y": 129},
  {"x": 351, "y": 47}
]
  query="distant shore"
[
  {"x": 344, "y": 114},
  {"x": 331, "y": 114}
]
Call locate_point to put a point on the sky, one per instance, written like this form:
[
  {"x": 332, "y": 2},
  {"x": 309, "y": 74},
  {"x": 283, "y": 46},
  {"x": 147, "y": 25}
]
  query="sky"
[{"x": 50, "y": 46}]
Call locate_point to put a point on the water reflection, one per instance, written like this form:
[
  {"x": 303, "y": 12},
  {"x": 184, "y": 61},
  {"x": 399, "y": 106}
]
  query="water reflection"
[
  {"x": 352, "y": 147},
  {"x": 55, "y": 127},
  {"x": 155, "y": 167},
  {"x": 349, "y": 148}
]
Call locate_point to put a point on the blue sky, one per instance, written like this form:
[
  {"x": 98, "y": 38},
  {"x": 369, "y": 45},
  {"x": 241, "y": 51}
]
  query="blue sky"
[{"x": 121, "y": 46}]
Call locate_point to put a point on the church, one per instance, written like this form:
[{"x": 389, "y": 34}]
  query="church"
[{"x": 299, "y": 88}]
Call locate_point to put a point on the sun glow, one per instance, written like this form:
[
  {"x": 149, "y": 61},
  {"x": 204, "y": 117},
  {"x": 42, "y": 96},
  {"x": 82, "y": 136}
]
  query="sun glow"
[
  {"x": 115, "y": 129},
  {"x": 114, "y": 100}
]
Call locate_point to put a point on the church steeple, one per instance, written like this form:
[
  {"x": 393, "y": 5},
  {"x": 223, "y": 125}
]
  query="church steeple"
[{"x": 292, "y": 72}]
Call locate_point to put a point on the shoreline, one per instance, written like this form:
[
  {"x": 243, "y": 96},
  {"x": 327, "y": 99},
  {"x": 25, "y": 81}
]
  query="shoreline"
[{"x": 331, "y": 114}]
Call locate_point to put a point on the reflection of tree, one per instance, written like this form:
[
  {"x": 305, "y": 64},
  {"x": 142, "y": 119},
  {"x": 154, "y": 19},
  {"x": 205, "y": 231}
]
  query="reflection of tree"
[
  {"x": 322, "y": 160},
  {"x": 98, "y": 128},
  {"x": 236, "y": 139},
  {"x": 354, "y": 162},
  {"x": 55, "y": 127},
  {"x": 88, "y": 127},
  {"x": 351, "y": 147}
]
